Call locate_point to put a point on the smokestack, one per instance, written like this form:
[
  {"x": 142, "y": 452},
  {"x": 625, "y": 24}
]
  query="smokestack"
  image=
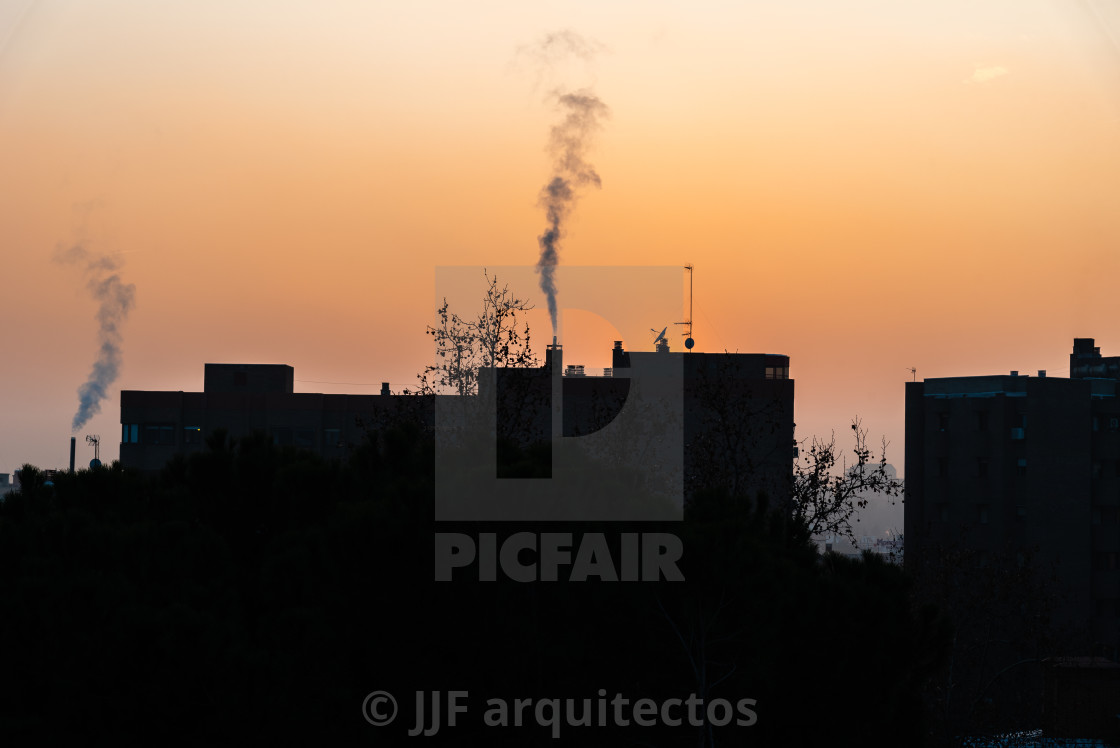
[
  {"x": 384, "y": 388},
  {"x": 553, "y": 354},
  {"x": 72, "y": 443}
]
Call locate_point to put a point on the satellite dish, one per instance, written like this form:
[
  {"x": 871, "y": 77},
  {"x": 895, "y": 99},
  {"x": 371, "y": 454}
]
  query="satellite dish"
[
  {"x": 660, "y": 335},
  {"x": 94, "y": 463}
]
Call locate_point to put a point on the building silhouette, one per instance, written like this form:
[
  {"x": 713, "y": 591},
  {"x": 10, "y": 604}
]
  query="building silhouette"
[
  {"x": 1013, "y": 465},
  {"x": 737, "y": 425},
  {"x": 243, "y": 399}
]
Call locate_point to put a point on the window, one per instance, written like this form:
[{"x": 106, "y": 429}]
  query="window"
[
  {"x": 192, "y": 435},
  {"x": 305, "y": 438},
  {"x": 981, "y": 467},
  {"x": 281, "y": 435},
  {"x": 943, "y": 467},
  {"x": 982, "y": 514},
  {"x": 1098, "y": 468},
  {"x": 161, "y": 434},
  {"x": 981, "y": 420},
  {"x": 942, "y": 421},
  {"x": 130, "y": 433},
  {"x": 1020, "y": 513},
  {"x": 1021, "y": 466},
  {"x": 1096, "y": 424},
  {"x": 1113, "y": 424},
  {"x": 332, "y": 437},
  {"x": 943, "y": 512}
]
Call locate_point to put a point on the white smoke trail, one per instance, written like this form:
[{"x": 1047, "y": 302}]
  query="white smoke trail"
[
  {"x": 569, "y": 143},
  {"x": 115, "y": 300}
]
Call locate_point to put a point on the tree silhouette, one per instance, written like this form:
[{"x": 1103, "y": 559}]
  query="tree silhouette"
[{"x": 496, "y": 337}]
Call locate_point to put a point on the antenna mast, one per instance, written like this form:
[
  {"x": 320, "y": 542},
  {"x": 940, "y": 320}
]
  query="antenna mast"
[
  {"x": 688, "y": 341},
  {"x": 95, "y": 440}
]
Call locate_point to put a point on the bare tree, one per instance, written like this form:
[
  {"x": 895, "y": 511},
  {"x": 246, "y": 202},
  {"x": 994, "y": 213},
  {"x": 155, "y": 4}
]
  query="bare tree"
[
  {"x": 825, "y": 501},
  {"x": 495, "y": 337}
]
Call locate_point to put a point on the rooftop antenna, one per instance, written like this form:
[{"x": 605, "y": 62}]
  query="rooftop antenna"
[
  {"x": 688, "y": 341},
  {"x": 95, "y": 440},
  {"x": 914, "y": 373}
]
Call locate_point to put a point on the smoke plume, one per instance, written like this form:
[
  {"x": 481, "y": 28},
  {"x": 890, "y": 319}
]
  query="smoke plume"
[
  {"x": 115, "y": 299},
  {"x": 569, "y": 142}
]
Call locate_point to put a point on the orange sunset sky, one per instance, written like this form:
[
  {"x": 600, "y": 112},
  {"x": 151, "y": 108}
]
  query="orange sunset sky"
[{"x": 865, "y": 186}]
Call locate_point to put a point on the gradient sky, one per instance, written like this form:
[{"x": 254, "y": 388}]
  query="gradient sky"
[{"x": 864, "y": 186}]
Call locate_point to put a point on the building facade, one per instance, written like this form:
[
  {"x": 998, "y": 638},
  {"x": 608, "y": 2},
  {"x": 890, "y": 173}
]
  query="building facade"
[
  {"x": 737, "y": 424},
  {"x": 243, "y": 399},
  {"x": 1009, "y": 465}
]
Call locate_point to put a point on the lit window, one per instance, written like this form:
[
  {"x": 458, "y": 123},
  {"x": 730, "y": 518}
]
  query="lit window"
[{"x": 192, "y": 435}]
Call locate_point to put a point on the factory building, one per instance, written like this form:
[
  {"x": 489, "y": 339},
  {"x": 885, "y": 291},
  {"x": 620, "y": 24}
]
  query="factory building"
[{"x": 737, "y": 424}]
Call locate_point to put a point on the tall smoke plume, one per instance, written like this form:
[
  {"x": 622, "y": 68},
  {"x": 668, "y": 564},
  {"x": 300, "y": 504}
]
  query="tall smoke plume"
[
  {"x": 569, "y": 142},
  {"x": 115, "y": 299}
]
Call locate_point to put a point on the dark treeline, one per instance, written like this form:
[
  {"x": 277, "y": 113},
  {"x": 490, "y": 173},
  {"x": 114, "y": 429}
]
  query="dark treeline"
[{"x": 251, "y": 592}]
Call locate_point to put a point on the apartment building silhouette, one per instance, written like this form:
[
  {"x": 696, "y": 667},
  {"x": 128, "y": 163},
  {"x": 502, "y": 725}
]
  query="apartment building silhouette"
[{"x": 1012, "y": 464}]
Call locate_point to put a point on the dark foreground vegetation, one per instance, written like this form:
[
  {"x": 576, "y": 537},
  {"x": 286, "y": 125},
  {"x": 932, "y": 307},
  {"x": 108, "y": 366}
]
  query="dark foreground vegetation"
[{"x": 254, "y": 593}]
